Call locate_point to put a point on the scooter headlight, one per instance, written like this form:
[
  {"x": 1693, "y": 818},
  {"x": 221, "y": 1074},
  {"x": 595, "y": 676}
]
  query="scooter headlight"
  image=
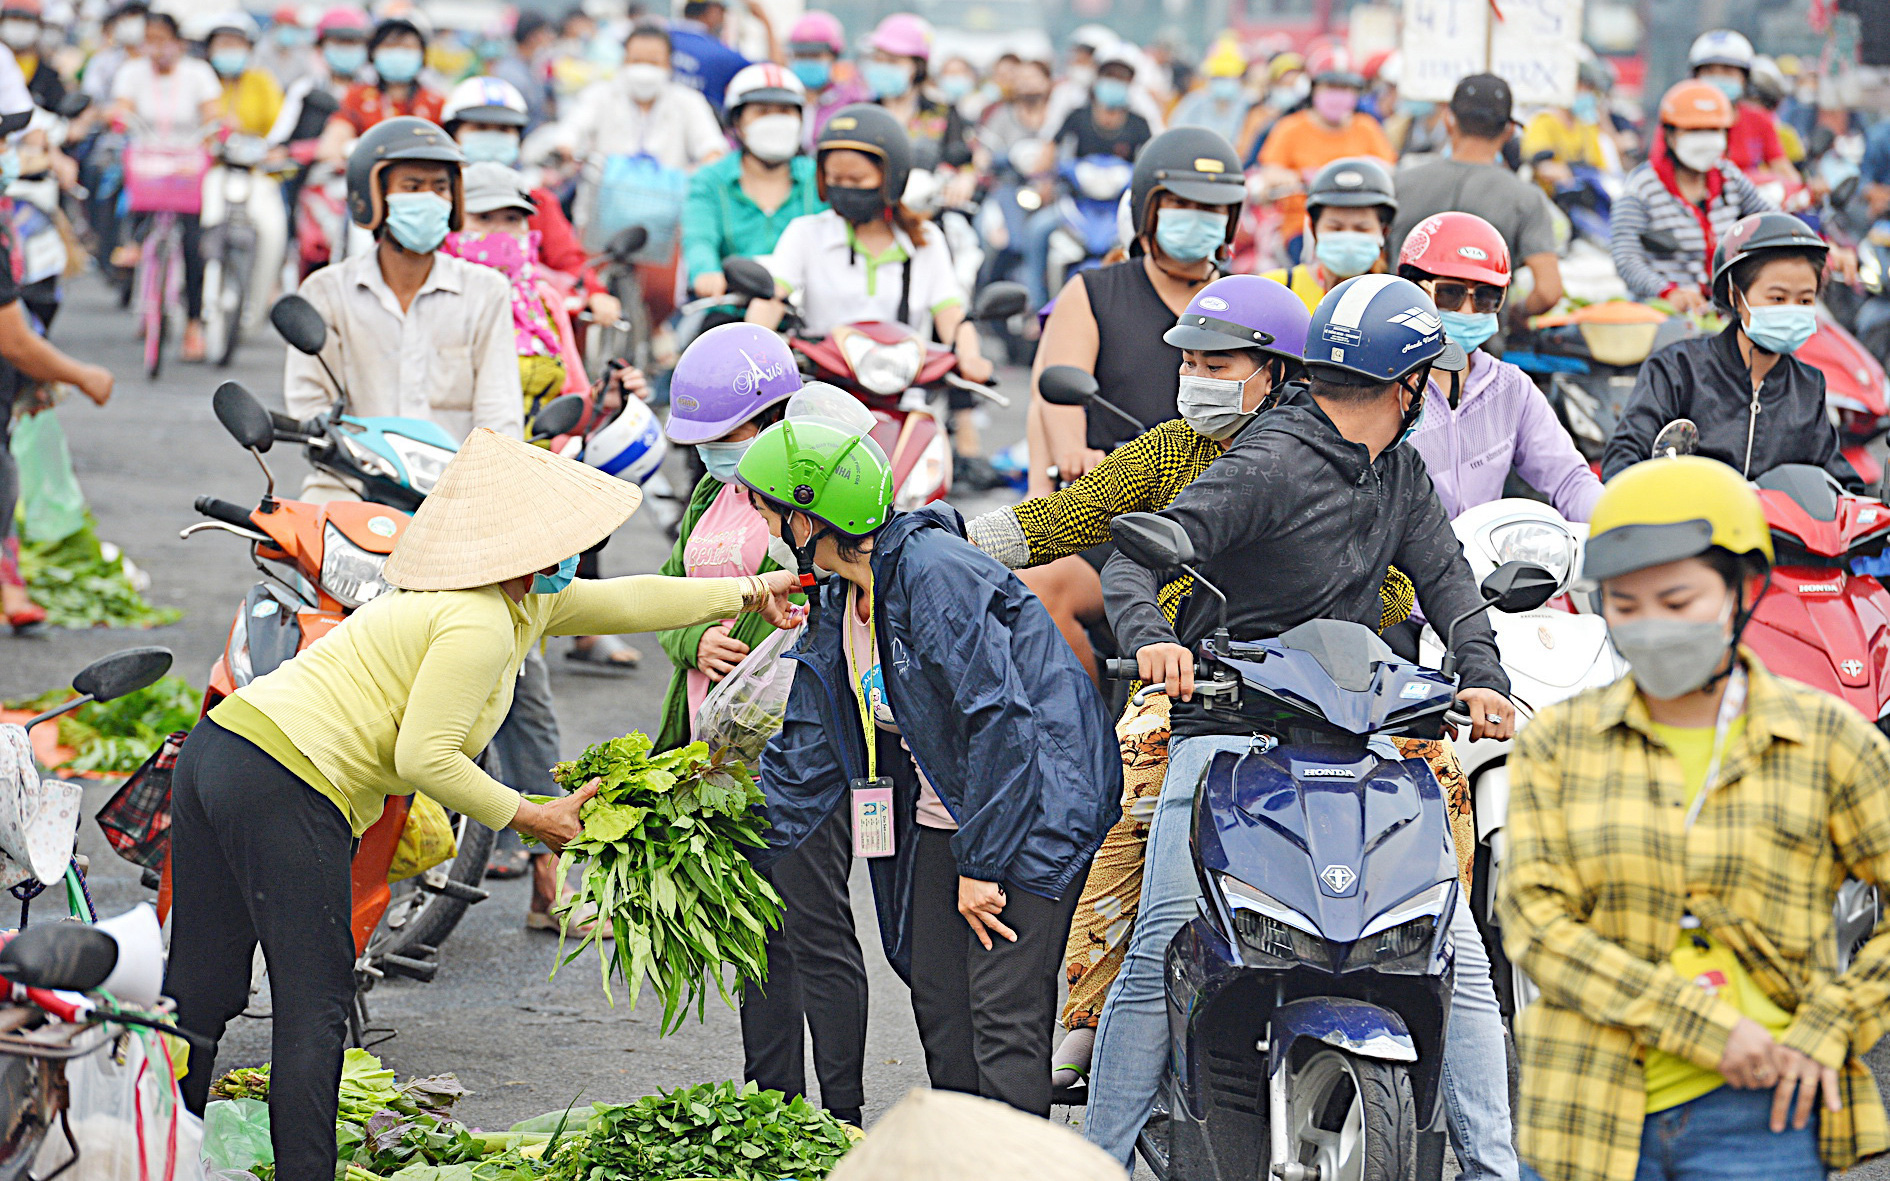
[
  {"x": 1101, "y": 182},
  {"x": 1540, "y": 542},
  {"x": 1402, "y": 936},
  {"x": 350, "y": 573},
  {"x": 424, "y": 462},
  {"x": 241, "y": 671},
  {"x": 1271, "y": 929},
  {"x": 883, "y": 368},
  {"x": 367, "y": 461}
]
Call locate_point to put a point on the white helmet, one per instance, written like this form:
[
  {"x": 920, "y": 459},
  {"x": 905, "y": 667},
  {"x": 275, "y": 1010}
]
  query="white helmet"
[
  {"x": 1720, "y": 47},
  {"x": 208, "y": 25},
  {"x": 485, "y": 100},
  {"x": 763, "y": 82},
  {"x": 630, "y": 446}
]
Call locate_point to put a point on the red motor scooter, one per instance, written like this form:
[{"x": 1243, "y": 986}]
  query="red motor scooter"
[{"x": 1856, "y": 391}]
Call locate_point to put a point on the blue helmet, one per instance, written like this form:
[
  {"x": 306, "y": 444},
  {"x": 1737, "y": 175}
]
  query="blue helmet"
[{"x": 1378, "y": 327}]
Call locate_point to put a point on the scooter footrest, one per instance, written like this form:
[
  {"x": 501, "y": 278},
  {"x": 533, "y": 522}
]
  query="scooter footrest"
[
  {"x": 400, "y": 965},
  {"x": 458, "y": 890}
]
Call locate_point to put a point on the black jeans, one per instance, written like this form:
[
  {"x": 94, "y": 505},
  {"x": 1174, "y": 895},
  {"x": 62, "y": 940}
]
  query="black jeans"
[
  {"x": 257, "y": 854},
  {"x": 816, "y": 976},
  {"x": 985, "y": 1017}
]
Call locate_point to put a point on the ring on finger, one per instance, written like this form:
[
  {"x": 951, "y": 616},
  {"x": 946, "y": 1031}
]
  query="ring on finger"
[{"x": 1493, "y": 719}]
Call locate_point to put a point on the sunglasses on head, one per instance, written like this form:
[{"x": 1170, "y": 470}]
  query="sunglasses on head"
[{"x": 1449, "y": 295}]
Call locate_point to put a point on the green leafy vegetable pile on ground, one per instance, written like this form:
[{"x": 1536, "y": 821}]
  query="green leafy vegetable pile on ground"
[
  {"x": 664, "y": 869},
  {"x": 722, "y": 1130},
  {"x": 82, "y": 582},
  {"x": 119, "y": 735}
]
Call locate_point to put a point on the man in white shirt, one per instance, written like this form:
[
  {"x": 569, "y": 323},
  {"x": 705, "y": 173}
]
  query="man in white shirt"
[{"x": 643, "y": 110}]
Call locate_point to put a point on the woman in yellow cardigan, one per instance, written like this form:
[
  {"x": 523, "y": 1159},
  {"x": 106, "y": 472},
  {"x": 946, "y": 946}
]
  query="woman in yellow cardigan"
[{"x": 274, "y": 786}]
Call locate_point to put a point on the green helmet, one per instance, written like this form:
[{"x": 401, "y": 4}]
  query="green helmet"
[{"x": 832, "y": 473}]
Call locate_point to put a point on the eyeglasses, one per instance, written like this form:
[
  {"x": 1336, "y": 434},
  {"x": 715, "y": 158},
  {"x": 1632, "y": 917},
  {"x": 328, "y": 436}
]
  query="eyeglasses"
[{"x": 1450, "y": 296}]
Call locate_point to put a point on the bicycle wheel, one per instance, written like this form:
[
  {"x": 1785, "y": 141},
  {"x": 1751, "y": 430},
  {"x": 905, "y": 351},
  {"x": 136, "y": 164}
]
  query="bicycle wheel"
[{"x": 153, "y": 286}]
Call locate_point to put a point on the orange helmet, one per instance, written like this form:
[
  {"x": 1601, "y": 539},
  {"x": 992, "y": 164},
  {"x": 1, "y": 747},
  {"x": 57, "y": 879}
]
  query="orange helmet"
[
  {"x": 1694, "y": 105},
  {"x": 1457, "y": 246}
]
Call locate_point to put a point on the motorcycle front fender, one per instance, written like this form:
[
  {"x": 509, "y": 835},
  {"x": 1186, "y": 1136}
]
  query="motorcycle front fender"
[{"x": 1357, "y": 1027}]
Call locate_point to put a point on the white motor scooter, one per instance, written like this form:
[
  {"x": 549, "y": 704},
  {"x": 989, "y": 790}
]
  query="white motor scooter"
[
  {"x": 245, "y": 232},
  {"x": 1550, "y": 655}
]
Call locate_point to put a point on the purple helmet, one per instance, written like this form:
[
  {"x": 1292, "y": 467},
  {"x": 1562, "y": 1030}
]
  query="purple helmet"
[
  {"x": 725, "y": 377},
  {"x": 1243, "y": 312}
]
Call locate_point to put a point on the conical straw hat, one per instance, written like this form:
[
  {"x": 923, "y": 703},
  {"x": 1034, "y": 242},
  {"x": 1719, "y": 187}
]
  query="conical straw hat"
[
  {"x": 942, "y": 1136},
  {"x": 503, "y": 508}
]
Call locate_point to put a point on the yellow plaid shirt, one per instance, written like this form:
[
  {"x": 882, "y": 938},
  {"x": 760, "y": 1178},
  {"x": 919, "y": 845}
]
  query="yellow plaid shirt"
[{"x": 1602, "y": 867}]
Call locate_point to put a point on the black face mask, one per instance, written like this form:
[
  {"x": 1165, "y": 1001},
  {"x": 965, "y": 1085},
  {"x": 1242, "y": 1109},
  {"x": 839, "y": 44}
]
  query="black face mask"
[{"x": 857, "y": 205}]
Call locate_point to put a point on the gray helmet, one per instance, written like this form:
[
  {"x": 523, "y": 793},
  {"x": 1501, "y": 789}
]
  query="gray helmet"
[
  {"x": 404, "y": 137},
  {"x": 1355, "y": 182},
  {"x": 1193, "y": 163}
]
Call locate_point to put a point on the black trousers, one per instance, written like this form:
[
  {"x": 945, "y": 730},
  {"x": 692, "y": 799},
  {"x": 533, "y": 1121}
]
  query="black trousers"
[
  {"x": 258, "y": 855},
  {"x": 816, "y": 977},
  {"x": 985, "y": 1017}
]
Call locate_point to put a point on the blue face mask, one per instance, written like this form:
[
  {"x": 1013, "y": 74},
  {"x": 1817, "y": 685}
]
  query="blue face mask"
[
  {"x": 814, "y": 72},
  {"x": 1781, "y": 329},
  {"x": 1111, "y": 92},
  {"x": 229, "y": 63},
  {"x": 886, "y": 79},
  {"x": 1224, "y": 89},
  {"x": 418, "y": 221},
  {"x": 1347, "y": 252},
  {"x": 9, "y": 167},
  {"x": 1190, "y": 235},
  {"x": 1468, "y": 329},
  {"x": 290, "y": 36},
  {"x": 397, "y": 63},
  {"x": 954, "y": 86},
  {"x": 1417, "y": 108},
  {"x": 551, "y": 584},
  {"x": 1732, "y": 88},
  {"x": 345, "y": 59},
  {"x": 722, "y": 459},
  {"x": 1586, "y": 108},
  {"x": 499, "y": 147}
]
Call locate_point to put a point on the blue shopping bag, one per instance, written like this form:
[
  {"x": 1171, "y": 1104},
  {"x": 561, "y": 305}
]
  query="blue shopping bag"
[{"x": 638, "y": 190}]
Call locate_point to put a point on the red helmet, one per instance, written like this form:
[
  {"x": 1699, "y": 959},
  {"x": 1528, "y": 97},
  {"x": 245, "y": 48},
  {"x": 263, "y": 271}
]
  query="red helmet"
[
  {"x": 1334, "y": 64},
  {"x": 1457, "y": 246}
]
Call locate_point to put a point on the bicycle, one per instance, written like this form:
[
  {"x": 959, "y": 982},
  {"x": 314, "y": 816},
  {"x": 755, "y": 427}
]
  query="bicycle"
[
  {"x": 163, "y": 180},
  {"x": 629, "y": 336}
]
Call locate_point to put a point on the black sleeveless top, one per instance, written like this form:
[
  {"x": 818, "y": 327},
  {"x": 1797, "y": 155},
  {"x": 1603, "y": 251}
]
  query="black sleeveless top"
[{"x": 1135, "y": 369}]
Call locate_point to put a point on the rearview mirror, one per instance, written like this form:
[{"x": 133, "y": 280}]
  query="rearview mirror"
[
  {"x": 74, "y": 105},
  {"x": 559, "y": 417},
  {"x": 624, "y": 245},
  {"x": 1519, "y": 586},
  {"x": 300, "y": 324},
  {"x": 747, "y": 277},
  {"x": 1066, "y": 385},
  {"x": 1660, "y": 242},
  {"x": 124, "y": 672},
  {"x": 243, "y": 416},
  {"x": 1845, "y": 191},
  {"x": 1152, "y": 540},
  {"x": 1000, "y": 301},
  {"x": 1679, "y": 437}
]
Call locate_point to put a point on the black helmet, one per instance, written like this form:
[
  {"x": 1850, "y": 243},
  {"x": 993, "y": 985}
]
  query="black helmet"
[
  {"x": 396, "y": 24},
  {"x": 1193, "y": 163},
  {"x": 1355, "y": 182},
  {"x": 1757, "y": 235},
  {"x": 864, "y": 127},
  {"x": 404, "y": 137}
]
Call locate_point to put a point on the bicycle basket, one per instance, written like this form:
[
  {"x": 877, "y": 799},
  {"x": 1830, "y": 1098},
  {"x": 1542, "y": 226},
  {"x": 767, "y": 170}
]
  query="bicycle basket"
[
  {"x": 136, "y": 821},
  {"x": 637, "y": 191},
  {"x": 165, "y": 178}
]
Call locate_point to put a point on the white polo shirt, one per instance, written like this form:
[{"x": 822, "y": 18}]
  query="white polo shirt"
[{"x": 819, "y": 257}]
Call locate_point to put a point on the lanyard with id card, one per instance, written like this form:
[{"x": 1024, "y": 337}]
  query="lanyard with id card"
[{"x": 872, "y": 797}]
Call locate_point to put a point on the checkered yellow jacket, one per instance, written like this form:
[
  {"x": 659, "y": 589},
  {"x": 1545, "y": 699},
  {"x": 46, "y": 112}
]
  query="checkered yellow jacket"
[
  {"x": 1142, "y": 476},
  {"x": 1602, "y": 867}
]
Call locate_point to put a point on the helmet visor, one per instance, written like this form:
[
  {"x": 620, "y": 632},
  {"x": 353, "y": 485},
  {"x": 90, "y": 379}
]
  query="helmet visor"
[{"x": 1627, "y": 548}]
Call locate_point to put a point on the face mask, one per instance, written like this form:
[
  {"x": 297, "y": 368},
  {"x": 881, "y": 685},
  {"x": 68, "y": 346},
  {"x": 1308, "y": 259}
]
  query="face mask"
[
  {"x": 858, "y": 206},
  {"x": 551, "y": 584},
  {"x": 345, "y": 59},
  {"x": 1211, "y": 406},
  {"x": 602, "y": 50},
  {"x": 1190, "y": 235},
  {"x": 1586, "y": 108},
  {"x": 498, "y": 147},
  {"x": 1672, "y": 657},
  {"x": 1224, "y": 89},
  {"x": 1413, "y": 414},
  {"x": 1335, "y": 104},
  {"x": 229, "y": 63},
  {"x": 1347, "y": 252},
  {"x": 1416, "y": 108},
  {"x": 397, "y": 64},
  {"x": 418, "y": 221},
  {"x": 291, "y": 36},
  {"x": 722, "y": 459},
  {"x": 1289, "y": 93},
  {"x": 1700, "y": 150},
  {"x": 1468, "y": 329},
  {"x": 9, "y": 167},
  {"x": 1732, "y": 88},
  {"x": 19, "y": 36},
  {"x": 886, "y": 79},
  {"x": 1782, "y": 329},
  {"x": 782, "y": 555},
  {"x": 1111, "y": 92},
  {"x": 645, "y": 80},
  {"x": 129, "y": 31},
  {"x": 955, "y": 86},
  {"x": 773, "y": 138},
  {"x": 814, "y": 72},
  {"x": 1082, "y": 75}
]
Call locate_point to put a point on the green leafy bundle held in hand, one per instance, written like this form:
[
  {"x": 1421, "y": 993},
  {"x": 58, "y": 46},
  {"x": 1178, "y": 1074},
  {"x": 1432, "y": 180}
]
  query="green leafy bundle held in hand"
[{"x": 663, "y": 867}]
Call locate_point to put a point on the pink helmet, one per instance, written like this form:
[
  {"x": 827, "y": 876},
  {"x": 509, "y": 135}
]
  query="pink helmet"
[
  {"x": 342, "y": 19},
  {"x": 904, "y": 34},
  {"x": 819, "y": 28}
]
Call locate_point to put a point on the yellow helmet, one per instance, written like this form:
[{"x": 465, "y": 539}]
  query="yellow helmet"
[
  {"x": 1225, "y": 61},
  {"x": 1664, "y": 510}
]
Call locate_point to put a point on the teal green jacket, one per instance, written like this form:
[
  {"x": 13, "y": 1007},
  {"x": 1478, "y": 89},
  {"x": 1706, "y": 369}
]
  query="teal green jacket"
[{"x": 720, "y": 221}]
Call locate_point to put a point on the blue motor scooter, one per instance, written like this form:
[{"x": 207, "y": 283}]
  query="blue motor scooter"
[
  {"x": 1088, "y": 229},
  {"x": 1308, "y": 999}
]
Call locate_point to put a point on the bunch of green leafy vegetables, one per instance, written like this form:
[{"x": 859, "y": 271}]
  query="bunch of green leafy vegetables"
[
  {"x": 733, "y": 1131},
  {"x": 663, "y": 871},
  {"x": 83, "y": 582},
  {"x": 119, "y": 735}
]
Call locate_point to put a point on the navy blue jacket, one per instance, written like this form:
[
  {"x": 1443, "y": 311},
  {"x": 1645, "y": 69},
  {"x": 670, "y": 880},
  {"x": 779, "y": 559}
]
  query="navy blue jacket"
[{"x": 995, "y": 707}]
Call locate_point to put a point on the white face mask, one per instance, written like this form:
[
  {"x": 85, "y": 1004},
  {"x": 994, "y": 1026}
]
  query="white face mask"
[
  {"x": 129, "y": 31},
  {"x": 645, "y": 80},
  {"x": 19, "y": 36},
  {"x": 773, "y": 138},
  {"x": 1700, "y": 150}
]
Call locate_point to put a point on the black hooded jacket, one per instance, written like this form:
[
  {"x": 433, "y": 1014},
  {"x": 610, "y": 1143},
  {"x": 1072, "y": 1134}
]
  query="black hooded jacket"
[{"x": 1297, "y": 522}]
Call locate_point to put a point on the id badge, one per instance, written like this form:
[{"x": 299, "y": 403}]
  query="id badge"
[{"x": 872, "y": 817}]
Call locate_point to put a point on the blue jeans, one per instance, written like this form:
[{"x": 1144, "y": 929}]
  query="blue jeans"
[
  {"x": 1724, "y": 1135},
  {"x": 1131, "y": 1054},
  {"x": 1038, "y": 229}
]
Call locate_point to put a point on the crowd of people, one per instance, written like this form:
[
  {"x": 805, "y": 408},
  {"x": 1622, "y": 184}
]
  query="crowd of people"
[{"x": 1307, "y": 298}]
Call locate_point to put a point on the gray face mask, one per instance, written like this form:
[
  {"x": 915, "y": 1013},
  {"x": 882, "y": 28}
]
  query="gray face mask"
[
  {"x": 1211, "y": 405},
  {"x": 1672, "y": 657}
]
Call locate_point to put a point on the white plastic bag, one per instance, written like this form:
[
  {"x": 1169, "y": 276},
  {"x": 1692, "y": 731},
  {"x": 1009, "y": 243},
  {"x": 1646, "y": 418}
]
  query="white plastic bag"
[
  {"x": 745, "y": 708},
  {"x": 127, "y": 1117}
]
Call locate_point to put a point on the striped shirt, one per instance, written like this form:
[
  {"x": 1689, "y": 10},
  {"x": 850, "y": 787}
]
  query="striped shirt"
[{"x": 1646, "y": 204}]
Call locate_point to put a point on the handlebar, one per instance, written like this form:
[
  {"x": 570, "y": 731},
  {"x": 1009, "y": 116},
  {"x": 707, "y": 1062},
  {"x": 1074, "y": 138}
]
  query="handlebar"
[
  {"x": 223, "y": 510},
  {"x": 1122, "y": 668}
]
